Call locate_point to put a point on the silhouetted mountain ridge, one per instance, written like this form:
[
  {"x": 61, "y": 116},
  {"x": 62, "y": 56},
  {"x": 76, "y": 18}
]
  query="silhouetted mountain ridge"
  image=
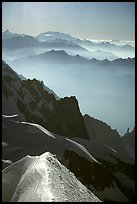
[
  {"x": 19, "y": 42},
  {"x": 129, "y": 141},
  {"x": 36, "y": 105},
  {"x": 100, "y": 132},
  {"x": 61, "y": 56},
  {"x": 73, "y": 45}
]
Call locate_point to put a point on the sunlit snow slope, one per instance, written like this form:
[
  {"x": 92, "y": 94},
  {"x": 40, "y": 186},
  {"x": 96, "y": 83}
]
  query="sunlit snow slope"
[
  {"x": 105, "y": 172},
  {"x": 40, "y": 179}
]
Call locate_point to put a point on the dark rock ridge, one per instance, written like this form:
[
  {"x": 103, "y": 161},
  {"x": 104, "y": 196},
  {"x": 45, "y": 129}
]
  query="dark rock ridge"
[
  {"x": 38, "y": 106},
  {"x": 129, "y": 138},
  {"x": 129, "y": 141},
  {"x": 100, "y": 132}
]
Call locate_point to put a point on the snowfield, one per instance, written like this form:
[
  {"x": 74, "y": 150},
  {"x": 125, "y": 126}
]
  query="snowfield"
[
  {"x": 105, "y": 172},
  {"x": 42, "y": 179},
  {"x": 35, "y": 136}
]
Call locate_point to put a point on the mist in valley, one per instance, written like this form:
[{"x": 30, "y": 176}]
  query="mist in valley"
[{"x": 104, "y": 89}]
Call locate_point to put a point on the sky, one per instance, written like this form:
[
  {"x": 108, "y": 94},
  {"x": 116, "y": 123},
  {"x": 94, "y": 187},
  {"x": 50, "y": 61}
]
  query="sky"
[{"x": 91, "y": 20}]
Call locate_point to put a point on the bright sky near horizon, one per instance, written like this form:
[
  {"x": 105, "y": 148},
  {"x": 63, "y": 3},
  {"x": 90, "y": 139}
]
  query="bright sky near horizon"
[{"x": 92, "y": 20}]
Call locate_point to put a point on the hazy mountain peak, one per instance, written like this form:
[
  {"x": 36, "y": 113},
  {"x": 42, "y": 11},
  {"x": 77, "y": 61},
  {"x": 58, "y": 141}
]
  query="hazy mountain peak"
[
  {"x": 56, "y": 33},
  {"x": 106, "y": 43},
  {"x": 7, "y": 31},
  {"x": 105, "y": 60},
  {"x": 78, "y": 56},
  {"x": 57, "y": 52},
  {"x": 127, "y": 46},
  {"x": 52, "y": 35},
  {"x": 95, "y": 60}
]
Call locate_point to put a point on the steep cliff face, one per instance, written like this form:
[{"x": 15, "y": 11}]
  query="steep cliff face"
[
  {"x": 68, "y": 112},
  {"x": 129, "y": 141},
  {"x": 30, "y": 99},
  {"x": 101, "y": 133},
  {"x": 129, "y": 138}
]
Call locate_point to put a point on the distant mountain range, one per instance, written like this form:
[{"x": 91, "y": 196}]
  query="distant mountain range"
[
  {"x": 61, "y": 57},
  {"x": 19, "y": 41},
  {"x": 7, "y": 35},
  {"x": 55, "y": 40},
  {"x": 29, "y": 42},
  {"x": 34, "y": 58},
  {"x": 36, "y": 121},
  {"x": 51, "y": 36}
]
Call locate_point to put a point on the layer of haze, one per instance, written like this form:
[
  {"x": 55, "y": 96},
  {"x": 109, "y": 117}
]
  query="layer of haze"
[
  {"x": 101, "y": 94},
  {"x": 93, "y": 20}
]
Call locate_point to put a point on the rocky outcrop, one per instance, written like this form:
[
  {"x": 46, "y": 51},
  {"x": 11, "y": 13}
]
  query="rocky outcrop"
[
  {"x": 129, "y": 141},
  {"x": 30, "y": 99},
  {"x": 101, "y": 133}
]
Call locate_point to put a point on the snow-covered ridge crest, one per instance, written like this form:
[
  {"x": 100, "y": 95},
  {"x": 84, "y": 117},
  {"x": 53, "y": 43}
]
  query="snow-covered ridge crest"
[
  {"x": 35, "y": 132},
  {"x": 42, "y": 179},
  {"x": 10, "y": 116},
  {"x": 91, "y": 163},
  {"x": 40, "y": 128}
]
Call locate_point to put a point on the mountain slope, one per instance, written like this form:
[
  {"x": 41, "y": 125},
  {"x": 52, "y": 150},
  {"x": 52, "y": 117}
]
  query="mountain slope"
[
  {"x": 101, "y": 133},
  {"x": 42, "y": 179},
  {"x": 30, "y": 99},
  {"x": 56, "y": 40},
  {"x": 19, "y": 41},
  {"x": 45, "y": 87},
  {"x": 102, "y": 166},
  {"x": 51, "y": 57},
  {"x": 97, "y": 166},
  {"x": 50, "y": 36},
  {"x": 129, "y": 141},
  {"x": 7, "y": 34},
  {"x": 61, "y": 57}
]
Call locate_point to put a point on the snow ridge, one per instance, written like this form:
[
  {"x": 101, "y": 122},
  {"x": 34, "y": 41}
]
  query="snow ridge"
[{"x": 43, "y": 179}]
